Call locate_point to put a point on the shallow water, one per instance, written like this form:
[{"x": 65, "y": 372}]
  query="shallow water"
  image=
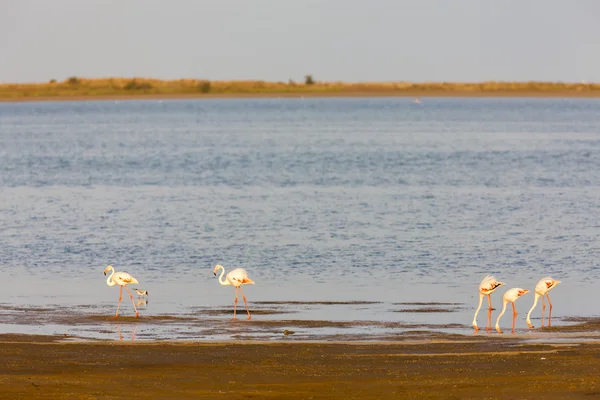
[{"x": 319, "y": 199}]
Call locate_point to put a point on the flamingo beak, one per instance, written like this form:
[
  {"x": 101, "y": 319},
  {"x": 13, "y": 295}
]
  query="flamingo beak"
[
  {"x": 214, "y": 273},
  {"x": 104, "y": 273}
]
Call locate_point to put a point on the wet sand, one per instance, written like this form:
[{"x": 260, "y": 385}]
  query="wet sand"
[{"x": 35, "y": 367}]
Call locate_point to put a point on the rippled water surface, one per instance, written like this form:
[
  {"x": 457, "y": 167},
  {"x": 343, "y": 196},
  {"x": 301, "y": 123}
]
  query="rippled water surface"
[{"x": 376, "y": 200}]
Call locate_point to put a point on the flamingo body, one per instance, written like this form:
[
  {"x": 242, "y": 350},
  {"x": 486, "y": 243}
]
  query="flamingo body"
[
  {"x": 122, "y": 279},
  {"x": 510, "y": 296},
  {"x": 487, "y": 286},
  {"x": 238, "y": 277},
  {"x": 235, "y": 278},
  {"x": 541, "y": 289}
]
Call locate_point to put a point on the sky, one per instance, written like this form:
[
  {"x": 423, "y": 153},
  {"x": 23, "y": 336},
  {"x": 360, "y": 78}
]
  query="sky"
[{"x": 278, "y": 40}]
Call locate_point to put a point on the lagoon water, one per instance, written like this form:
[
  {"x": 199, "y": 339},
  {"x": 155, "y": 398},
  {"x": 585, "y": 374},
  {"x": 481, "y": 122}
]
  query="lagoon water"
[{"x": 320, "y": 199}]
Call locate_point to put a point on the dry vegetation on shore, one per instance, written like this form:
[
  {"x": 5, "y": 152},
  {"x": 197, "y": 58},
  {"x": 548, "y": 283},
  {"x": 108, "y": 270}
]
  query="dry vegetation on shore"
[{"x": 125, "y": 87}]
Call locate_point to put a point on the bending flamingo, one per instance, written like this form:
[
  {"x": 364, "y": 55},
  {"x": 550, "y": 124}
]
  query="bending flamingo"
[
  {"x": 122, "y": 279},
  {"x": 541, "y": 289},
  {"x": 236, "y": 278},
  {"x": 510, "y": 296},
  {"x": 486, "y": 288}
]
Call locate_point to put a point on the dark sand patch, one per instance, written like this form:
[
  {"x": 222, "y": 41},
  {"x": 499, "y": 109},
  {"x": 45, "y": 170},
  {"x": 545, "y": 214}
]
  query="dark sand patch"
[
  {"x": 140, "y": 319},
  {"x": 227, "y": 311},
  {"x": 424, "y": 310},
  {"x": 349, "y": 324},
  {"x": 580, "y": 324},
  {"x": 467, "y": 369},
  {"x": 325, "y": 303},
  {"x": 433, "y": 303}
]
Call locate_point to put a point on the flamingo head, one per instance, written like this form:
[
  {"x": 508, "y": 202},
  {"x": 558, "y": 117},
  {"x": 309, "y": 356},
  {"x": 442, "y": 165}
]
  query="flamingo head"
[
  {"x": 108, "y": 269},
  {"x": 216, "y": 269}
]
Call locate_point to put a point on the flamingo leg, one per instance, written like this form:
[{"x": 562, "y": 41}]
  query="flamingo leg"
[
  {"x": 543, "y": 303},
  {"x": 235, "y": 303},
  {"x": 120, "y": 298},
  {"x": 488, "y": 327},
  {"x": 490, "y": 302},
  {"x": 549, "y": 312},
  {"x": 132, "y": 302},
  {"x": 543, "y": 310},
  {"x": 246, "y": 303},
  {"x": 514, "y": 321},
  {"x": 120, "y": 336},
  {"x": 514, "y": 316}
]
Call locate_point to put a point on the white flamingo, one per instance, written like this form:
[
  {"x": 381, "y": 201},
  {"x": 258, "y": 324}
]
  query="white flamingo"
[
  {"x": 236, "y": 278},
  {"x": 487, "y": 286},
  {"x": 541, "y": 289},
  {"x": 510, "y": 296},
  {"x": 122, "y": 279}
]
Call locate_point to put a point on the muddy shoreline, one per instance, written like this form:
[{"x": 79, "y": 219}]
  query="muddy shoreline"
[{"x": 469, "y": 367}]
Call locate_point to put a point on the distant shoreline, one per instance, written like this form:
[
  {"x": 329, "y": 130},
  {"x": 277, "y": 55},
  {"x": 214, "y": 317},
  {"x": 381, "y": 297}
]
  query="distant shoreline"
[
  {"x": 80, "y": 89},
  {"x": 275, "y": 95}
]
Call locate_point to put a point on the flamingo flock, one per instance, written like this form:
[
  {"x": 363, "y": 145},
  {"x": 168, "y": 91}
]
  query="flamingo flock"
[
  {"x": 239, "y": 277},
  {"x": 489, "y": 284}
]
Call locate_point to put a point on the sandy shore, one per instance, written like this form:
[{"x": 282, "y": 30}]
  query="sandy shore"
[
  {"x": 35, "y": 367},
  {"x": 410, "y": 94}
]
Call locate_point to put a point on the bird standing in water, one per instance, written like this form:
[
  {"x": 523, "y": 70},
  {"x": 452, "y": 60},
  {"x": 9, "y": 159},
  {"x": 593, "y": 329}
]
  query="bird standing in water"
[
  {"x": 541, "y": 289},
  {"x": 122, "y": 279},
  {"x": 510, "y": 296},
  {"x": 236, "y": 278},
  {"x": 141, "y": 292},
  {"x": 487, "y": 286}
]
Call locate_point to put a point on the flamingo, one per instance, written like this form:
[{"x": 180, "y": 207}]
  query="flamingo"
[
  {"x": 487, "y": 286},
  {"x": 122, "y": 279},
  {"x": 237, "y": 278},
  {"x": 541, "y": 289},
  {"x": 510, "y": 296}
]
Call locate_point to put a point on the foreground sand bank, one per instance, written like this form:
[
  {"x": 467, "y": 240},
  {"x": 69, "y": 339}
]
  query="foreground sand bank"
[{"x": 39, "y": 367}]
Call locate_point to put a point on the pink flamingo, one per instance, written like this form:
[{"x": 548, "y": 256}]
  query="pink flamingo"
[
  {"x": 122, "y": 279},
  {"x": 487, "y": 286},
  {"x": 236, "y": 278},
  {"x": 510, "y": 296},
  {"x": 541, "y": 289}
]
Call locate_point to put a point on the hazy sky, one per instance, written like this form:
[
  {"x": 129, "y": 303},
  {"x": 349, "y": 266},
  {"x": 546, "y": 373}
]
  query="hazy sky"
[{"x": 350, "y": 40}]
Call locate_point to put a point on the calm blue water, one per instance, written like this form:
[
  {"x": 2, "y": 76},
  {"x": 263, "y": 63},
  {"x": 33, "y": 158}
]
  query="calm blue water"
[{"x": 319, "y": 199}]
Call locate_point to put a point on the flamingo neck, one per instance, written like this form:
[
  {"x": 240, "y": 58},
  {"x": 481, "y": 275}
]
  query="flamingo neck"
[
  {"x": 537, "y": 296},
  {"x": 502, "y": 313},
  {"x": 481, "y": 296},
  {"x": 109, "y": 280},
  {"x": 223, "y": 281}
]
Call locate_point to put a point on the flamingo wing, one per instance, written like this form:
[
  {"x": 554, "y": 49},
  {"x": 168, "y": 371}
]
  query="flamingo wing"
[
  {"x": 489, "y": 284},
  {"x": 238, "y": 277},
  {"x": 545, "y": 284},
  {"x": 513, "y": 294},
  {"x": 123, "y": 278}
]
